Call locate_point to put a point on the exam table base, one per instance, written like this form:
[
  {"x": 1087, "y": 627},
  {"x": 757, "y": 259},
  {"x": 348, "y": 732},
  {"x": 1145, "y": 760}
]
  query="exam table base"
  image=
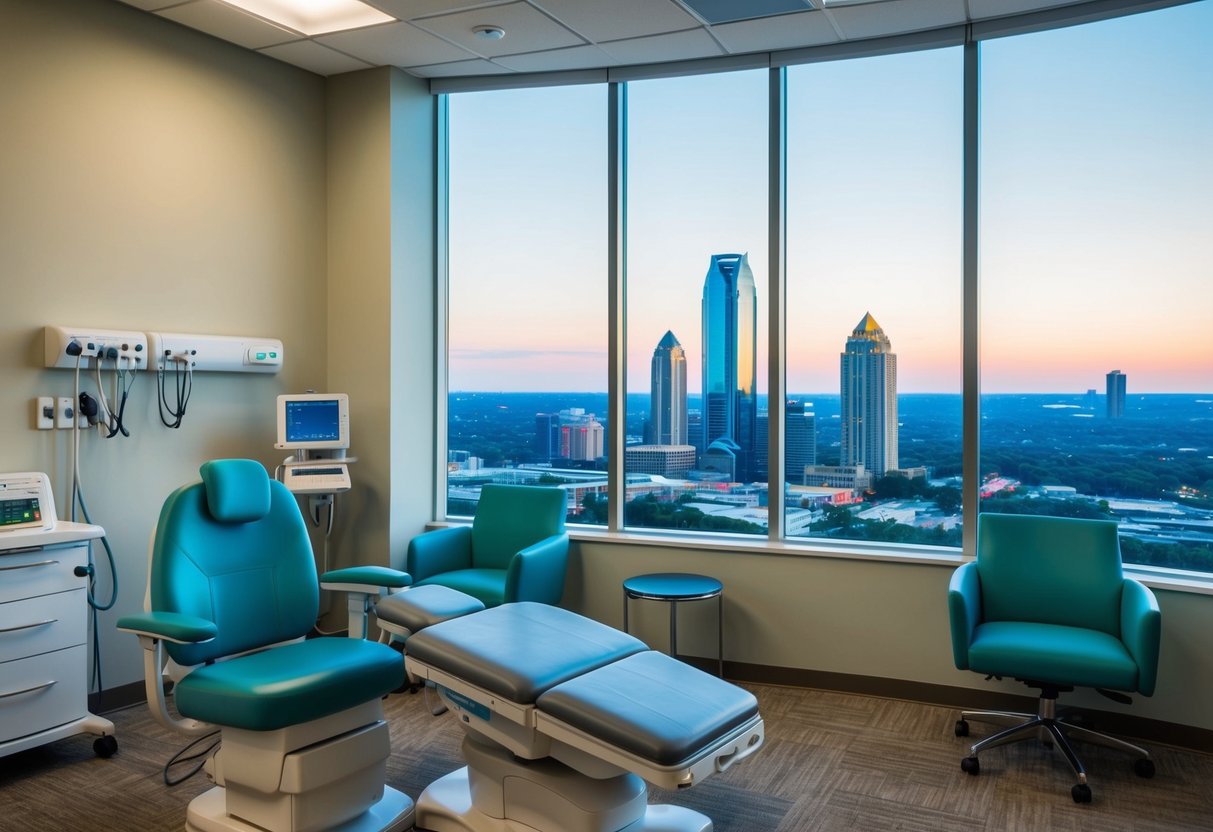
[
  {"x": 499, "y": 793},
  {"x": 393, "y": 813}
]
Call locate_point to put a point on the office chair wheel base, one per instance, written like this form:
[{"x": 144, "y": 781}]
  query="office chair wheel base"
[
  {"x": 962, "y": 728},
  {"x": 1143, "y": 767},
  {"x": 106, "y": 746},
  {"x": 970, "y": 765},
  {"x": 1081, "y": 793}
]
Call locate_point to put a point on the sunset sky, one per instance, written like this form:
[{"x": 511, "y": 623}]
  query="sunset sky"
[{"x": 1096, "y": 200}]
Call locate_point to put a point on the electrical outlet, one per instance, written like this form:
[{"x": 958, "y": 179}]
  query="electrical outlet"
[
  {"x": 65, "y": 413},
  {"x": 44, "y": 413}
]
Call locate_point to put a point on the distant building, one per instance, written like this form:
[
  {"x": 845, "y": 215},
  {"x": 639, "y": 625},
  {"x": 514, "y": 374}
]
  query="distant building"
[
  {"x": 668, "y": 399},
  {"x": 1116, "y": 394},
  {"x": 730, "y": 368},
  {"x": 663, "y": 460},
  {"x": 799, "y": 442},
  {"x": 853, "y": 477},
  {"x": 869, "y": 399},
  {"x": 585, "y": 440},
  {"x": 916, "y": 473}
]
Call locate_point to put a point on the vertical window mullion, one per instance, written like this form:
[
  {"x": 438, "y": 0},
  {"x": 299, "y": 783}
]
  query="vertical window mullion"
[
  {"x": 777, "y": 161},
  {"x": 971, "y": 386},
  {"x": 617, "y": 99}
]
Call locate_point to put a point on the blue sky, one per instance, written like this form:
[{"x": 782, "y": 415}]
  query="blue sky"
[{"x": 1096, "y": 197}]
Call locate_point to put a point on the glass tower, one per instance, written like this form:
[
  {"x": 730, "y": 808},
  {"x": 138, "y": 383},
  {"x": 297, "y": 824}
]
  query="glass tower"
[
  {"x": 1116, "y": 394},
  {"x": 869, "y": 399},
  {"x": 730, "y": 319},
  {"x": 668, "y": 400}
]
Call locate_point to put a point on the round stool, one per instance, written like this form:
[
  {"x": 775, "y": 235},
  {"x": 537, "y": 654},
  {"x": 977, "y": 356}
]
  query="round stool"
[{"x": 673, "y": 588}]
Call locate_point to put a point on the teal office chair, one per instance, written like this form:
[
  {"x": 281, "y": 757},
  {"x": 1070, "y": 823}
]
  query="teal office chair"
[
  {"x": 1046, "y": 602},
  {"x": 234, "y": 592},
  {"x": 515, "y": 550}
]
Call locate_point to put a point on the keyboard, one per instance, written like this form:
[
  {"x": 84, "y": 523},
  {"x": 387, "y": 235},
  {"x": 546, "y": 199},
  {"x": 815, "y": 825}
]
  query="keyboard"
[{"x": 317, "y": 479}]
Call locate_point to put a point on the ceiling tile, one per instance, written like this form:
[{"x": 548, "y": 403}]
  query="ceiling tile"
[
  {"x": 458, "y": 68},
  {"x": 598, "y": 21},
  {"x": 787, "y": 31},
  {"x": 679, "y": 46},
  {"x": 411, "y": 9},
  {"x": 981, "y": 9},
  {"x": 394, "y": 44},
  {"x": 575, "y": 57},
  {"x": 526, "y": 29},
  {"x": 896, "y": 17},
  {"x": 314, "y": 57},
  {"x": 731, "y": 11},
  {"x": 229, "y": 23}
]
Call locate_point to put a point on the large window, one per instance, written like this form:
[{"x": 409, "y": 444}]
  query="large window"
[
  {"x": 873, "y": 418},
  {"x": 696, "y": 308},
  {"x": 1079, "y": 381},
  {"x": 1096, "y": 267},
  {"x": 527, "y": 342}
]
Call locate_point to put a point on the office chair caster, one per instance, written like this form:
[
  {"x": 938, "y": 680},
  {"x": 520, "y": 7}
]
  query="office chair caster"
[
  {"x": 1143, "y": 767},
  {"x": 106, "y": 746},
  {"x": 970, "y": 765},
  {"x": 962, "y": 728},
  {"x": 1081, "y": 793}
]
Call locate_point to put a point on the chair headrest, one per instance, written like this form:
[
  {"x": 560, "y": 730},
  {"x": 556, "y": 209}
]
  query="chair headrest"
[{"x": 237, "y": 490}]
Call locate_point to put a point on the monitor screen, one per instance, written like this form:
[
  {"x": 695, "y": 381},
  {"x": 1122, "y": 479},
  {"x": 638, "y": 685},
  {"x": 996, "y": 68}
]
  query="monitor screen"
[{"x": 313, "y": 421}]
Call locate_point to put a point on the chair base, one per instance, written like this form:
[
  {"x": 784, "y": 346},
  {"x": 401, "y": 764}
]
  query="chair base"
[
  {"x": 392, "y": 813},
  {"x": 1050, "y": 730}
]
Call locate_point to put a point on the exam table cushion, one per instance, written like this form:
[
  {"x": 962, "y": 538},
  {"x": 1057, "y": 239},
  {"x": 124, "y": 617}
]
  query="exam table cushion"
[
  {"x": 651, "y": 705},
  {"x": 485, "y": 649},
  {"x": 290, "y": 684},
  {"x": 419, "y": 607}
]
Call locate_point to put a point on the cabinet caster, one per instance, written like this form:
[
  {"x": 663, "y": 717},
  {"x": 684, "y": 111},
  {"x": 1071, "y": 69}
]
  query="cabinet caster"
[
  {"x": 970, "y": 765},
  {"x": 105, "y": 747}
]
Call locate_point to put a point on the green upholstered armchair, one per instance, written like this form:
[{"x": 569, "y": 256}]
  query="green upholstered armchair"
[
  {"x": 515, "y": 550},
  {"x": 1046, "y": 602},
  {"x": 234, "y": 592}
]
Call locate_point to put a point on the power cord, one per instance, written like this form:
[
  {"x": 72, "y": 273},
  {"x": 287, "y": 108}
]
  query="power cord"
[{"x": 182, "y": 756}]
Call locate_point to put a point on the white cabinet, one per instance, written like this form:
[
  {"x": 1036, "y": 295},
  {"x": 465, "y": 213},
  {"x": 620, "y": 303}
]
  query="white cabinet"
[{"x": 43, "y": 632}]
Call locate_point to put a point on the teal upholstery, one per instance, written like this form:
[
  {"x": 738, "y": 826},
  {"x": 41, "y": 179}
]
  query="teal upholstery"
[
  {"x": 233, "y": 551},
  {"x": 1047, "y": 601},
  {"x": 515, "y": 550}
]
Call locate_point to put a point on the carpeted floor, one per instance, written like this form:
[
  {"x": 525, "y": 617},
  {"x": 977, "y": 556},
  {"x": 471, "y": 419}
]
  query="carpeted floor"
[{"x": 831, "y": 762}]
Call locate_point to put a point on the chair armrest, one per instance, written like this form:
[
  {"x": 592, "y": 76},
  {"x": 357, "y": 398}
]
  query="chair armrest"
[
  {"x": 169, "y": 626},
  {"x": 536, "y": 573},
  {"x": 964, "y": 611},
  {"x": 442, "y": 550},
  {"x": 371, "y": 580},
  {"x": 1141, "y": 631}
]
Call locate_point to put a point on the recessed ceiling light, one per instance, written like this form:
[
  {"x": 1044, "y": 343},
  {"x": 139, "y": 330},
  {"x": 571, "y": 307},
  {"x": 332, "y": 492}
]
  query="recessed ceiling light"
[
  {"x": 489, "y": 32},
  {"x": 314, "y": 17}
]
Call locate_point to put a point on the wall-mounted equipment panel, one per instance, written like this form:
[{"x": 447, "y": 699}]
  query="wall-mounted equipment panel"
[
  {"x": 123, "y": 349},
  {"x": 218, "y": 353}
]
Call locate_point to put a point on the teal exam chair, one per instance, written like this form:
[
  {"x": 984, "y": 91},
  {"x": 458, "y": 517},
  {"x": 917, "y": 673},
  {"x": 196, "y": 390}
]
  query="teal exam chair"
[
  {"x": 234, "y": 592},
  {"x": 515, "y": 550},
  {"x": 1046, "y": 602}
]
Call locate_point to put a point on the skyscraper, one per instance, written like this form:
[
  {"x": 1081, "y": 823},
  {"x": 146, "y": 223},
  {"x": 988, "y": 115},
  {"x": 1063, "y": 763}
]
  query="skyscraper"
[
  {"x": 1116, "y": 394},
  {"x": 668, "y": 399},
  {"x": 799, "y": 440},
  {"x": 869, "y": 399},
  {"x": 730, "y": 319}
]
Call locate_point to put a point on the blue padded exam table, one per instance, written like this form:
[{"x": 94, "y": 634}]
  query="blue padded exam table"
[{"x": 566, "y": 719}]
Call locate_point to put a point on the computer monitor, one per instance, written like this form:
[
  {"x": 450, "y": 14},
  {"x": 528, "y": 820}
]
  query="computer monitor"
[{"x": 313, "y": 421}]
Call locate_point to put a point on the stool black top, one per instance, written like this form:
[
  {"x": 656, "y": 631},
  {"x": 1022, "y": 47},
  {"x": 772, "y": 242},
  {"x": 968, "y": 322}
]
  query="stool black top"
[{"x": 672, "y": 586}]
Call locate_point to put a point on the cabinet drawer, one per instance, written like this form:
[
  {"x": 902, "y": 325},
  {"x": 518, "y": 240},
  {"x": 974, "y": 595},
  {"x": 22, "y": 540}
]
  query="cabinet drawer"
[
  {"x": 40, "y": 572},
  {"x": 42, "y": 691},
  {"x": 42, "y": 624}
]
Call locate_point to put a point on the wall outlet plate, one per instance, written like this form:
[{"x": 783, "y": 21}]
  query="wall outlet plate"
[
  {"x": 44, "y": 413},
  {"x": 65, "y": 413}
]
